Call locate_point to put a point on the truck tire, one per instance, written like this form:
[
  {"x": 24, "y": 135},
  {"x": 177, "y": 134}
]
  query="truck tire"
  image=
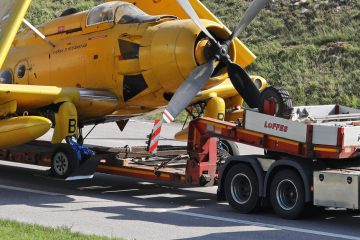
[
  {"x": 242, "y": 188},
  {"x": 64, "y": 161},
  {"x": 287, "y": 194}
]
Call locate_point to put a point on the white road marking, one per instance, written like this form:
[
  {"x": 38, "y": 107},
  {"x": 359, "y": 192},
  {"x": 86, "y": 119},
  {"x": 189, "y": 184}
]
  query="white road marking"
[
  {"x": 146, "y": 183},
  {"x": 22, "y": 165},
  {"x": 29, "y": 190},
  {"x": 162, "y": 210},
  {"x": 275, "y": 227},
  {"x": 121, "y": 190},
  {"x": 163, "y": 195},
  {"x": 93, "y": 187},
  {"x": 74, "y": 178}
]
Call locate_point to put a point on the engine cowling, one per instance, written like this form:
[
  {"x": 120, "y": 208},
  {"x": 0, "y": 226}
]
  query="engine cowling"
[{"x": 171, "y": 50}]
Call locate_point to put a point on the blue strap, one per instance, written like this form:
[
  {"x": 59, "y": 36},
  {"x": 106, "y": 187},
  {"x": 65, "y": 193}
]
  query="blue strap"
[{"x": 82, "y": 152}]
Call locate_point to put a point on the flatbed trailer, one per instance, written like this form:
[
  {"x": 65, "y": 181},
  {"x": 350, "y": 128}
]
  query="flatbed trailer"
[
  {"x": 124, "y": 161},
  {"x": 311, "y": 159}
]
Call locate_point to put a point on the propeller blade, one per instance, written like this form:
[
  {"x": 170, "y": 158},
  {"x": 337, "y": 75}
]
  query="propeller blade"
[
  {"x": 186, "y": 6},
  {"x": 188, "y": 90},
  {"x": 249, "y": 15},
  {"x": 244, "y": 85}
]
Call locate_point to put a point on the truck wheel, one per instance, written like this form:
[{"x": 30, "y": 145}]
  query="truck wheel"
[
  {"x": 242, "y": 188},
  {"x": 64, "y": 161},
  {"x": 287, "y": 195}
]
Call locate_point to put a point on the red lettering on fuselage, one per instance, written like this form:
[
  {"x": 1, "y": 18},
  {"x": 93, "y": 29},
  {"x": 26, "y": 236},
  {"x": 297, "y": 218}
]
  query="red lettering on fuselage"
[{"x": 276, "y": 126}]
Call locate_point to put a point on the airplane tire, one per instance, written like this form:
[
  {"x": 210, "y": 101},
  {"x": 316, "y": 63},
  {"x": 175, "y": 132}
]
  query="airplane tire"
[
  {"x": 229, "y": 147},
  {"x": 242, "y": 189},
  {"x": 226, "y": 149},
  {"x": 282, "y": 100},
  {"x": 64, "y": 161}
]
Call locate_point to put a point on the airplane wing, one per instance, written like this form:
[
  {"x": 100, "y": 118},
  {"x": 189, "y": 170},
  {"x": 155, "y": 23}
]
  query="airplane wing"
[
  {"x": 226, "y": 89},
  {"x": 71, "y": 103},
  {"x": 11, "y": 15},
  {"x": 30, "y": 97}
]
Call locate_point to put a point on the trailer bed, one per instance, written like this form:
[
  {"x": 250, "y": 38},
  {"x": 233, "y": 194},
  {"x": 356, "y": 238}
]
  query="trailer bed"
[
  {"x": 328, "y": 132},
  {"x": 314, "y": 132}
]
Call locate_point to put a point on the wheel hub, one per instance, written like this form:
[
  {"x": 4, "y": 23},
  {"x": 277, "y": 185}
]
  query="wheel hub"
[
  {"x": 61, "y": 163},
  {"x": 241, "y": 188},
  {"x": 286, "y": 194}
]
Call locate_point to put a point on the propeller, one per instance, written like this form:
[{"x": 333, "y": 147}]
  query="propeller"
[
  {"x": 249, "y": 15},
  {"x": 186, "y": 6},
  {"x": 188, "y": 90},
  {"x": 219, "y": 52}
]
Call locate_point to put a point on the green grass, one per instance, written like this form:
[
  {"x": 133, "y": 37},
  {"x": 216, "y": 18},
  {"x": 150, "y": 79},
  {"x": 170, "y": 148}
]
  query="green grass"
[
  {"x": 314, "y": 54},
  {"x": 183, "y": 116},
  {"x": 10, "y": 230},
  {"x": 311, "y": 48},
  {"x": 42, "y": 11}
]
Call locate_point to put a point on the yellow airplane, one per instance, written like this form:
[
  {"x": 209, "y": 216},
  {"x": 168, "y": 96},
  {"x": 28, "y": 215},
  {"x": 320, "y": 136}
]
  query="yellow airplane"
[{"x": 116, "y": 61}]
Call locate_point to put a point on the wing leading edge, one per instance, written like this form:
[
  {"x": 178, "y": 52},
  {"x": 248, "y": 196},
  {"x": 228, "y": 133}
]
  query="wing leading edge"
[{"x": 11, "y": 15}]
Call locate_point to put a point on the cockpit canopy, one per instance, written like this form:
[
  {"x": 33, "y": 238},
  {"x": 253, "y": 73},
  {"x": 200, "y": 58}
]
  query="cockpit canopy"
[{"x": 120, "y": 13}]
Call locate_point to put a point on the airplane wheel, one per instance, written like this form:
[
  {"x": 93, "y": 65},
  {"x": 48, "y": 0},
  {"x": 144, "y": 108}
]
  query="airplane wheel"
[
  {"x": 64, "y": 161},
  {"x": 242, "y": 189},
  {"x": 287, "y": 195},
  {"x": 229, "y": 147},
  {"x": 226, "y": 149},
  {"x": 282, "y": 99}
]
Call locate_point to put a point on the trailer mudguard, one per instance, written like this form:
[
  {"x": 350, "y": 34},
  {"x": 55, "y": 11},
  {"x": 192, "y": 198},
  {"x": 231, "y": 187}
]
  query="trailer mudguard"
[{"x": 233, "y": 160}]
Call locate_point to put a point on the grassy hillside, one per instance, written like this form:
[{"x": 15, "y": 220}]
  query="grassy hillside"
[
  {"x": 311, "y": 47},
  {"x": 44, "y": 10}
]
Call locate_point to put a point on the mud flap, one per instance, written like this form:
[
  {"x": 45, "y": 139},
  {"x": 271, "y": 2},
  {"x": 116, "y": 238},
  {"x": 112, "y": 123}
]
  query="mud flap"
[{"x": 86, "y": 169}]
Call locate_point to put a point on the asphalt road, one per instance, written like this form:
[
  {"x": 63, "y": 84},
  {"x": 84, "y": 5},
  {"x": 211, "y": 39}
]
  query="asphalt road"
[{"x": 136, "y": 209}]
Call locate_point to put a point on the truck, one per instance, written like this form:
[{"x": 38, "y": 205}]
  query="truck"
[{"x": 311, "y": 158}]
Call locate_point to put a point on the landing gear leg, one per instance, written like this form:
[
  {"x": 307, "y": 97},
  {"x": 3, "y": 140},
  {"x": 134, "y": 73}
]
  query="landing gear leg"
[{"x": 80, "y": 138}]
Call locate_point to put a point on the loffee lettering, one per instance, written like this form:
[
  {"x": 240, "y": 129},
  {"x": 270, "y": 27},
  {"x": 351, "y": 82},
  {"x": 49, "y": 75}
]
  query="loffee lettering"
[{"x": 276, "y": 126}]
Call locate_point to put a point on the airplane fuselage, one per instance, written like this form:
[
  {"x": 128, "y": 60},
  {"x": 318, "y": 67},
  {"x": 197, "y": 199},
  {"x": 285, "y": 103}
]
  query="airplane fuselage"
[{"x": 139, "y": 61}]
